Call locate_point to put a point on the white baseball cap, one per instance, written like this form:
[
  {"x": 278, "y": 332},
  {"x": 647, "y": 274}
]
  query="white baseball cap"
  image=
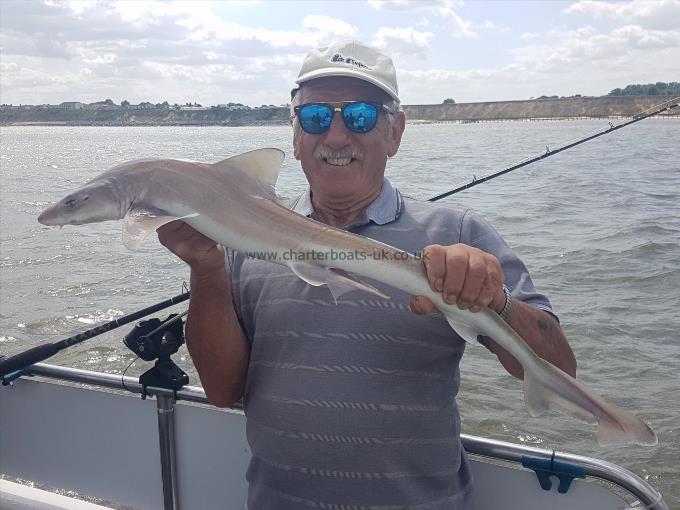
[{"x": 353, "y": 59}]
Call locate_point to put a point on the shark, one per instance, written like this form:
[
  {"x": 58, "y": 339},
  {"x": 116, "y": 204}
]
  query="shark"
[{"x": 234, "y": 203}]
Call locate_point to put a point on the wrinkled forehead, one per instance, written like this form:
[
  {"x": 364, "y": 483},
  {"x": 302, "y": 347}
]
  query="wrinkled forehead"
[{"x": 340, "y": 88}]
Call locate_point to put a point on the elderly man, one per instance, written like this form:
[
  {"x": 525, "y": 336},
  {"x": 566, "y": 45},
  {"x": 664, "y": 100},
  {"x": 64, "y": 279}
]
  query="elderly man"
[{"x": 352, "y": 405}]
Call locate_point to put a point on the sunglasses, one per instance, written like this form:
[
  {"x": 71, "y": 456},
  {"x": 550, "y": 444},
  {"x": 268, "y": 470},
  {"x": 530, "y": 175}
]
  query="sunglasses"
[{"x": 358, "y": 116}]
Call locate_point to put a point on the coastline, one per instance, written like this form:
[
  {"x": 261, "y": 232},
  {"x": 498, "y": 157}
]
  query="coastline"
[
  {"x": 410, "y": 122},
  {"x": 577, "y": 108}
]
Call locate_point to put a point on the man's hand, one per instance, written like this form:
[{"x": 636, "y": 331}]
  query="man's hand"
[
  {"x": 465, "y": 276},
  {"x": 201, "y": 253},
  {"x": 473, "y": 279}
]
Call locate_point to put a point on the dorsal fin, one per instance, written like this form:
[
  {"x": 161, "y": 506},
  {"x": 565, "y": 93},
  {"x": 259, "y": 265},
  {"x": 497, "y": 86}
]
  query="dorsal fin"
[{"x": 262, "y": 164}]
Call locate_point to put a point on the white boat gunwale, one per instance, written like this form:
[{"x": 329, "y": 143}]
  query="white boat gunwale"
[{"x": 483, "y": 448}]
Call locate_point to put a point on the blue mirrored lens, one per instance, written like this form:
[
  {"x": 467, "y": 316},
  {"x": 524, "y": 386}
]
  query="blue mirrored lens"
[
  {"x": 315, "y": 118},
  {"x": 360, "y": 117}
]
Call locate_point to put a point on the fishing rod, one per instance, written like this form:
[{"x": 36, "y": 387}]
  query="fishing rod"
[
  {"x": 667, "y": 106},
  {"x": 42, "y": 352}
]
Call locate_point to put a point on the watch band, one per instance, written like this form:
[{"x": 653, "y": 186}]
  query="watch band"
[{"x": 507, "y": 309}]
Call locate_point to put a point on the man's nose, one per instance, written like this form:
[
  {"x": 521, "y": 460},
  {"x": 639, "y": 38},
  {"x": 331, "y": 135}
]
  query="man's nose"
[{"x": 337, "y": 135}]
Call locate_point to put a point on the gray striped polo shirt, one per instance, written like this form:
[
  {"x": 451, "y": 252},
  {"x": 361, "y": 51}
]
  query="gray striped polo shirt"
[{"x": 352, "y": 405}]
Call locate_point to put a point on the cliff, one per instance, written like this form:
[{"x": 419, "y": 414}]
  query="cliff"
[
  {"x": 607, "y": 106},
  {"x": 118, "y": 116}
]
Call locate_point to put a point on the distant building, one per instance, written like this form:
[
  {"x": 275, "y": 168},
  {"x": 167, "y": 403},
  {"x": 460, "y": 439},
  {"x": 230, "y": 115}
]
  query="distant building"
[
  {"x": 69, "y": 105},
  {"x": 233, "y": 106}
]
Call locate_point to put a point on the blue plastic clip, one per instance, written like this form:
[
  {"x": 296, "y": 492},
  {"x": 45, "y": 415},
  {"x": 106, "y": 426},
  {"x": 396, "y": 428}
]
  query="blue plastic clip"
[
  {"x": 11, "y": 377},
  {"x": 545, "y": 468}
]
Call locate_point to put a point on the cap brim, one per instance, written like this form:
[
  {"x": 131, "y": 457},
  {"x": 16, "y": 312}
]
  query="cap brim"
[{"x": 351, "y": 73}]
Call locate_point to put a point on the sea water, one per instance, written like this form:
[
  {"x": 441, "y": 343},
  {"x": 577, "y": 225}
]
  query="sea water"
[{"x": 598, "y": 226}]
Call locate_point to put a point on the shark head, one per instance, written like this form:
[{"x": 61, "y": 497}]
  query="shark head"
[{"x": 90, "y": 204}]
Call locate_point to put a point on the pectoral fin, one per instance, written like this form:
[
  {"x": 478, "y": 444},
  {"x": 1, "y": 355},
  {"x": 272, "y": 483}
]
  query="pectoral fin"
[
  {"x": 139, "y": 223},
  {"x": 466, "y": 331},
  {"x": 339, "y": 282}
]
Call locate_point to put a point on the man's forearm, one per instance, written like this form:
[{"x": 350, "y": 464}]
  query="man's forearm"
[
  {"x": 215, "y": 340},
  {"x": 542, "y": 332}
]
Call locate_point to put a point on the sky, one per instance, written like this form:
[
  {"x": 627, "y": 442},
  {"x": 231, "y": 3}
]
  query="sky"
[{"x": 250, "y": 52}]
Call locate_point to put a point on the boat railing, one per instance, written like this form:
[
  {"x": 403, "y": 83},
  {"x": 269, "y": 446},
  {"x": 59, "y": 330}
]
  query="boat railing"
[{"x": 488, "y": 448}]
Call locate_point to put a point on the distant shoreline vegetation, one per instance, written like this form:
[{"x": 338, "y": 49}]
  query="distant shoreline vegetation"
[
  {"x": 651, "y": 89},
  {"x": 618, "y": 103}
]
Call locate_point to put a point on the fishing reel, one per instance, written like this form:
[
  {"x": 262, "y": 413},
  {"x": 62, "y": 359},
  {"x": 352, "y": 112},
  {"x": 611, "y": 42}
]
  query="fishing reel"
[{"x": 155, "y": 339}]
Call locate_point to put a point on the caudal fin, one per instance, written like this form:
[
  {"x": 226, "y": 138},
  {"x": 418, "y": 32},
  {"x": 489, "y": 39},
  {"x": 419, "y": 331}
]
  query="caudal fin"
[
  {"x": 547, "y": 387},
  {"x": 627, "y": 429}
]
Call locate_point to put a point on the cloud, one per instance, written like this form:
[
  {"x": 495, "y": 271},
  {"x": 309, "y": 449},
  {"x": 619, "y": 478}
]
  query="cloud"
[
  {"x": 335, "y": 26},
  {"x": 586, "y": 45},
  {"x": 459, "y": 27},
  {"x": 402, "y": 41},
  {"x": 443, "y": 15},
  {"x": 447, "y": 77},
  {"x": 462, "y": 85},
  {"x": 589, "y": 60},
  {"x": 634, "y": 40},
  {"x": 423, "y": 22},
  {"x": 527, "y": 36},
  {"x": 410, "y": 5},
  {"x": 150, "y": 50},
  {"x": 146, "y": 46},
  {"x": 486, "y": 25},
  {"x": 658, "y": 14}
]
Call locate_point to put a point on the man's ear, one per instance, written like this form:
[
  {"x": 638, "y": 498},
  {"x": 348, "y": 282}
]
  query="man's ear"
[
  {"x": 395, "y": 133},
  {"x": 296, "y": 142}
]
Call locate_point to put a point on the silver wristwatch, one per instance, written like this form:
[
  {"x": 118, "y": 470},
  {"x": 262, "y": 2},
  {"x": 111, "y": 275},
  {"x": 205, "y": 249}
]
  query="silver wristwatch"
[{"x": 507, "y": 309}]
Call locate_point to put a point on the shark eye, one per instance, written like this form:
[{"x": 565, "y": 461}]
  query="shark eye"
[{"x": 72, "y": 202}]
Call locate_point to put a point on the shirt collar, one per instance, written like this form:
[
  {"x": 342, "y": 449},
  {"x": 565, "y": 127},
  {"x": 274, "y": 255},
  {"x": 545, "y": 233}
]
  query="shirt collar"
[{"x": 384, "y": 209}]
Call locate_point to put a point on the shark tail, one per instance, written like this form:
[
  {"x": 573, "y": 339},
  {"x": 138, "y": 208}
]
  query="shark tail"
[
  {"x": 546, "y": 387},
  {"x": 626, "y": 429}
]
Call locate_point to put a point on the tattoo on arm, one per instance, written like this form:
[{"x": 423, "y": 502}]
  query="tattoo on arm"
[{"x": 548, "y": 331}]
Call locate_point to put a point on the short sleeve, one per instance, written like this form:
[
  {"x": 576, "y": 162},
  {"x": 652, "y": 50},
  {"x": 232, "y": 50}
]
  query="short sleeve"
[{"x": 478, "y": 233}]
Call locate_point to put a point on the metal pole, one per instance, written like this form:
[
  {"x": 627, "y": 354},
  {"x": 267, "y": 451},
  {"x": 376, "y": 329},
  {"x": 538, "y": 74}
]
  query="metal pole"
[{"x": 165, "y": 405}]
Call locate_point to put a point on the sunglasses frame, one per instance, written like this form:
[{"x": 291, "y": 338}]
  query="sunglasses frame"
[{"x": 339, "y": 107}]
